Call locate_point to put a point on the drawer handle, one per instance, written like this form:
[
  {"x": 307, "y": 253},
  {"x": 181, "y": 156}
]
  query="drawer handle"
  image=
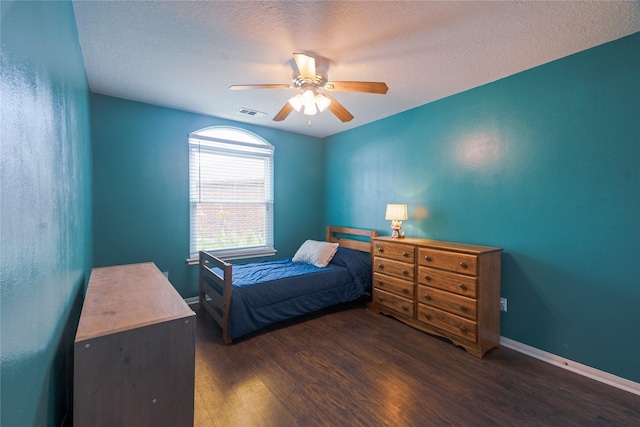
[
  {"x": 405, "y": 290},
  {"x": 380, "y": 249},
  {"x": 463, "y": 265},
  {"x": 405, "y": 308},
  {"x": 405, "y": 272},
  {"x": 427, "y": 258},
  {"x": 463, "y": 309},
  {"x": 380, "y": 299},
  {"x": 426, "y": 316},
  {"x": 405, "y": 254},
  {"x": 381, "y": 267},
  {"x": 462, "y": 329},
  {"x": 463, "y": 286},
  {"x": 427, "y": 278},
  {"x": 427, "y": 297}
]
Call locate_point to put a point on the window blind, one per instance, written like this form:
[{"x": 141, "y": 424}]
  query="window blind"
[{"x": 231, "y": 194}]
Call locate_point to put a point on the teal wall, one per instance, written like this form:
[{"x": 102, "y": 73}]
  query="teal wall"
[
  {"x": 45, "y": 207},
  {"x": 544, "y": 164},
  {"x": 141, "y": 186}
]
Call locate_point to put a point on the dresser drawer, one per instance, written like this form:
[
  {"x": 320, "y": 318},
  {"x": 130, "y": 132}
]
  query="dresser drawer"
[
  {"x": 453, "y": 261},
  {"x": 397, "y": 251},
  {"x": 447, "y": 301},
  {"x": 391, "y": 284},
  {"x": 448, "y": 322},
  {"x": 402, "y": 270},
  {"x": 393, "y": 302},
  {"x": 452, "y": 282}
]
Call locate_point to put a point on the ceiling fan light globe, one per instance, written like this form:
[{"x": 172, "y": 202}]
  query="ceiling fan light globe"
[
  {"x": 322, "y": 102},
  {"x": 310, "y": 109},
  {"x": 296, "y": 102},
  {"x": 308, "y": 98}
]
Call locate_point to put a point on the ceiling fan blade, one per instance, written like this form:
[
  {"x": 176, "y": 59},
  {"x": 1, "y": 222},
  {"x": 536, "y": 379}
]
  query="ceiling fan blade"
[
  {"x": 340, "y": 112},
  {"x": 267, "y": 86},
  {"x": 367, "y": 87},
  {"x": 283, "y": 113},
  {"x": 306, "y": 65}
]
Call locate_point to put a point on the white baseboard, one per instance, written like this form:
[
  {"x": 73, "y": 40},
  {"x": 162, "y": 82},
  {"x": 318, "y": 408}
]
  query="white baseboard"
[
  {"x": 191, "y": 301},
  {"x": 570, "y": 365}
]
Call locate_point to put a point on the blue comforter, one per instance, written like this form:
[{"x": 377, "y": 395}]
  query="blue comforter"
[{"x": 271, "y": 291}]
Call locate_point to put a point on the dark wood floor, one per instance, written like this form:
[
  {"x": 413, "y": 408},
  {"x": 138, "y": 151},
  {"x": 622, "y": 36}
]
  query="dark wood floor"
[{"x": 349, "y": 367}]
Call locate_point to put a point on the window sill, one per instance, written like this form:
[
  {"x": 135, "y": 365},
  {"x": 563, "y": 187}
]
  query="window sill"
[{"x": 236, "y": 254}]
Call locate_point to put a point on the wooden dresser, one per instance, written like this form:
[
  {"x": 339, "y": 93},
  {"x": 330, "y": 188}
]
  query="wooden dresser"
[
  {"x": 446, "y": 289},
  {"x": 134, "y": 352}
]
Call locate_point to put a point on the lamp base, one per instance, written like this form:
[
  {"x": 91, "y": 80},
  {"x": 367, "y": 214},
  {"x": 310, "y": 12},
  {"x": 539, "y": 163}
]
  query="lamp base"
[{"x": 397, "y": 234}]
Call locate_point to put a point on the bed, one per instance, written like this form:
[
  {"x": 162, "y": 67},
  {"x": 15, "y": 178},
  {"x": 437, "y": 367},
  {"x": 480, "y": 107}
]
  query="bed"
[{"x": 245, "y": 298}]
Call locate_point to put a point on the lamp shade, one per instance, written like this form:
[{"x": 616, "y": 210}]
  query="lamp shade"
[{"x": 396, "y": 212}]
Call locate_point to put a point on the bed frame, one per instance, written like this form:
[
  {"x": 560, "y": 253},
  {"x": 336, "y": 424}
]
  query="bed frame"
[{"x": 218, "y": 304}]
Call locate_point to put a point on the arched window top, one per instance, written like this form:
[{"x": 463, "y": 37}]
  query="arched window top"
[{"x": 228, "y": 134}]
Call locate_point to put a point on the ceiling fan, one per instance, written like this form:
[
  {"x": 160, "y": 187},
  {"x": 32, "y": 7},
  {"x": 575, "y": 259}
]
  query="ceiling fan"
[{"x": 314, "y": 85}]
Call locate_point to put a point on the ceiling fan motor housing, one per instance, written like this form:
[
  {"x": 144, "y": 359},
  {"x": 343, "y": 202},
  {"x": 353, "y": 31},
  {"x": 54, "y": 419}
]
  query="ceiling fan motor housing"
[{"x": 300, "y": 82}]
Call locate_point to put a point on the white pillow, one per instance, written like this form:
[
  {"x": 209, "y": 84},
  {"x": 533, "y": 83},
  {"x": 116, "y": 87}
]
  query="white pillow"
[{"x": 316, "y": 253}]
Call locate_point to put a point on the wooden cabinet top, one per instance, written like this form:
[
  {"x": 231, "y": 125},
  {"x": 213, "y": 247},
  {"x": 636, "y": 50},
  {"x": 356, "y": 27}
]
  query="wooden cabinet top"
[
  {"x": 437, "y": 244},
  {"x": 125, "y": 297}
]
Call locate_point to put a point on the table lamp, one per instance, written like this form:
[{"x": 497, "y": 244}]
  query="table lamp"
[{"x": 396, "y": 214}]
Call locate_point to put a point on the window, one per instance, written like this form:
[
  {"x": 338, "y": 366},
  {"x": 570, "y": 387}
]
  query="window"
[{"x": 231, "y": 193}]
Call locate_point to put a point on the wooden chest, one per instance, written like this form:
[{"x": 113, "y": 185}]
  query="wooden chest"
[{"x": 134, "y": 352}]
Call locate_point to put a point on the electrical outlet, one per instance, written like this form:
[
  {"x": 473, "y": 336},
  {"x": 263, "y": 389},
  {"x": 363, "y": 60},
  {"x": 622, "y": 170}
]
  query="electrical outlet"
[{"x": 503, "y": 304}]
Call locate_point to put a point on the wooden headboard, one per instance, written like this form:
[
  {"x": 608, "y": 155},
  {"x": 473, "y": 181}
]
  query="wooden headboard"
[{"x": 342, "y": 236}]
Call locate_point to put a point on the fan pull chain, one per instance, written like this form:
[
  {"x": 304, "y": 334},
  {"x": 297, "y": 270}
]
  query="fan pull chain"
[{"x": 309, "y": 123}]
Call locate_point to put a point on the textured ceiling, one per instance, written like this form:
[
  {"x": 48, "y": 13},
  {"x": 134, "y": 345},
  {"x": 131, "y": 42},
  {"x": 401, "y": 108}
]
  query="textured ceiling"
[{"x": 186, "y": 54}]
